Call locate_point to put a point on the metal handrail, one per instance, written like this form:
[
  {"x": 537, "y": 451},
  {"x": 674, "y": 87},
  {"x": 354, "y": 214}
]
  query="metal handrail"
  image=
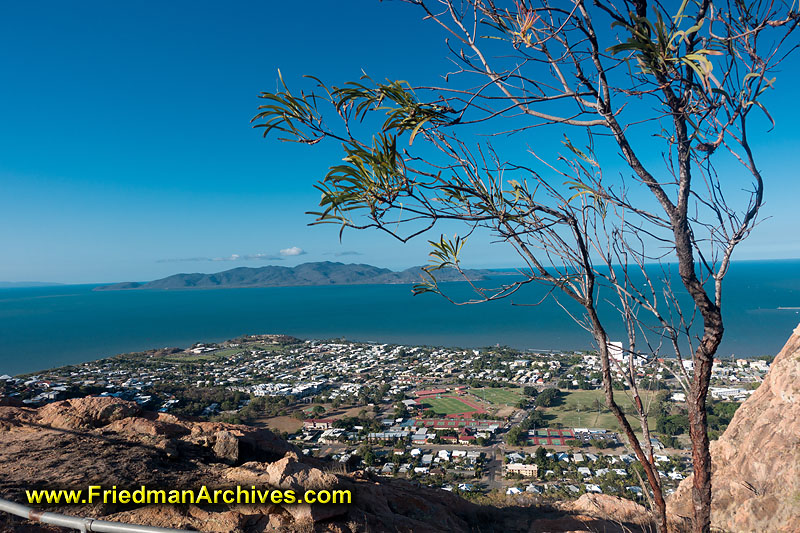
[{"x": 81, "y": 524}]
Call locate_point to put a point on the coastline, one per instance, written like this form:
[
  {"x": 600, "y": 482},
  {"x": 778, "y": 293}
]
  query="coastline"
[{"x": 44, "y": 327}]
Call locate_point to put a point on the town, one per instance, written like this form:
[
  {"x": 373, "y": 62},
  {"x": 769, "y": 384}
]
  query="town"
[{"x": 473, "y": 421}]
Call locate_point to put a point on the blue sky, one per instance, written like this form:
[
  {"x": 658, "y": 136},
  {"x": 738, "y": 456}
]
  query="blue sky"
[{"x": 126, "y": 151}]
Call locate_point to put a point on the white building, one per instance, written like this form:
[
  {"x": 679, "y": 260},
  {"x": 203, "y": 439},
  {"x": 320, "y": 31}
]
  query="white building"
[{"x": 523, "y": 469}]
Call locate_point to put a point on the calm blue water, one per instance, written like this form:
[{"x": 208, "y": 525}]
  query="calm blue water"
[{"x": 45, "y": 327}]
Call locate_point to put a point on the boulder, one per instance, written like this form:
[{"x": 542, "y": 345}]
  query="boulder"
[
  {"x": 227, "y": 447},
  {"x": 86, "y": 413},
  {"x": 235, "y": 445},
  {"x": 143, "y": 426},
  {"x": 289, "y": 473},
  {"x": 608, "y": 508}
]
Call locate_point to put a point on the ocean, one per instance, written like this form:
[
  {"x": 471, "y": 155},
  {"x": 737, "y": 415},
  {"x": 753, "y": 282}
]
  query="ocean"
[{"x": 44, "y": 327}]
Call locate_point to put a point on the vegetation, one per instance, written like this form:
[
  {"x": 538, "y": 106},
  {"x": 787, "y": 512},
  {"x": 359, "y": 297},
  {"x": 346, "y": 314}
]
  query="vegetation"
[
  {"x": 516, "y": 437},
  {"x": 194, "y": 401},
  {"x": 548, "y": 397}
]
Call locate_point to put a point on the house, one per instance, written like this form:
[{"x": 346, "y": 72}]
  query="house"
[
  {"x": 584, "y": 471},
  {"x": 431, "y": 392},
  {"x": 521, "y": 468},
  {"x": 318, "y": 423},
  {"x": 463, "y": 438},
  {"x": 329, "y": 436},
  {"x": 513, "y": 490},
  {"x": 535, "y": 489},
  {"x": 591, "y": 487}
]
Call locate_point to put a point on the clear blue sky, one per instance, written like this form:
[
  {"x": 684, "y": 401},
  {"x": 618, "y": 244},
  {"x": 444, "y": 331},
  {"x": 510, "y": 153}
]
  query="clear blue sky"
[{"x": 126, "y": 151}]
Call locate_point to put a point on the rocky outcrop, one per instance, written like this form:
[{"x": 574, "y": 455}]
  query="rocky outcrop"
[
  {"x": 234, "y": 445},
  {"x": 107, "y": 441},
  {"x": 86, "y": 413},
  {"x": 756, "y": 461},
  {"x": 608, "y": 507}
]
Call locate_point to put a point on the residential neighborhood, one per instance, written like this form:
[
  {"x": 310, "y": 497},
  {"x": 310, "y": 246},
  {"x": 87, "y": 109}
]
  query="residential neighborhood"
[{"x": 467, "y": 420}]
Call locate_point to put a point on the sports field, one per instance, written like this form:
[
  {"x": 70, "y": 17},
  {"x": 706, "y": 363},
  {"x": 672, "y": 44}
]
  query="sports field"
[
  {"x": 587, "y": 408},
  {"x": 447, "y": 405},
  {"x": 501, "y": 396},
  {"x": 188, "y": 357}
]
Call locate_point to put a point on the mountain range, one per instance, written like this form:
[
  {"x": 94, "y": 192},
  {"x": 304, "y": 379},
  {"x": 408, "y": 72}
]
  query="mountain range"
[{"x": 319, "y": 273}]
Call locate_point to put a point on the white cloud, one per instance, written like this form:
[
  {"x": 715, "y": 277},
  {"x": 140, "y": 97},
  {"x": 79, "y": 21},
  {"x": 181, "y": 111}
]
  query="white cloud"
[
  {"x": 294, "y": 250},
  {"x": 234, "y": 257}
]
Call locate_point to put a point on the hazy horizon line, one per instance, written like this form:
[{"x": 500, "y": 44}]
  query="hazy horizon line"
[{"x": 4, "y": 284}]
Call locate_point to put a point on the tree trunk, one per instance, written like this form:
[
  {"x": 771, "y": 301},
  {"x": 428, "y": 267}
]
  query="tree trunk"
[
  {"x": 701, "y": 483},
  {"x": 698, "y": 425}
]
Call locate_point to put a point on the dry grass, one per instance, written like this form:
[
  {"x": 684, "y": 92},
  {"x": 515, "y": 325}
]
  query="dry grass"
[{"x": 288, "y": 424}]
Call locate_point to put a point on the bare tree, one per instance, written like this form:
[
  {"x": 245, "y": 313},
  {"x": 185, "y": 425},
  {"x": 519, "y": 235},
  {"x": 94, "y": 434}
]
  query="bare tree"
[{"x": 643, "y": 81}]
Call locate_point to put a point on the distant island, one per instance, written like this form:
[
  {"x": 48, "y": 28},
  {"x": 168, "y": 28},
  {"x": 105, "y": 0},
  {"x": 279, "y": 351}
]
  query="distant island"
[{"x": 319, "y": 273}]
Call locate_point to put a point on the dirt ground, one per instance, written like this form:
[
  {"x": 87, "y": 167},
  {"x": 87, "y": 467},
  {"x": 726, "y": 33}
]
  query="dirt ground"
[
  {"x": 342, "y": 413},
  {"x": 279, "y": 423},
  {"x": 506, "y": 411},
  {"x": 291, "y": 424}
]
